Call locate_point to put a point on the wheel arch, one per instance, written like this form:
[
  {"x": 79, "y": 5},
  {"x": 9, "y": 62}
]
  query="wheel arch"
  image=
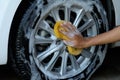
[
  {"x": 6, "y": 16},
  {"x": 14, "y": 26}
]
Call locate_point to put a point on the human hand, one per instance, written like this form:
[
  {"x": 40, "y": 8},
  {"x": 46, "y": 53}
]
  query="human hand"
[{"x": 75, "y": 40}]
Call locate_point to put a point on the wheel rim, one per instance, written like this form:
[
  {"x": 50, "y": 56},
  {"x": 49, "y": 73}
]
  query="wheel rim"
[{"x": 50, "y": 54}]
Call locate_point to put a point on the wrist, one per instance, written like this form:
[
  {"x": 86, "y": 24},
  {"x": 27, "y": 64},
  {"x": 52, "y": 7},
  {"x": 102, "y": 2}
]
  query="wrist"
[{"x": 87, "y": 42}]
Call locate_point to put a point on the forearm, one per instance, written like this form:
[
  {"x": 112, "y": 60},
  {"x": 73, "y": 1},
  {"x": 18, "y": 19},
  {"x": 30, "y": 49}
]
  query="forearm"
[{"x": 104, "y": 38}]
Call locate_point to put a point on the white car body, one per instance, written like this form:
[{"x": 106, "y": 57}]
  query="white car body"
[{"x": 8, "y": 9}]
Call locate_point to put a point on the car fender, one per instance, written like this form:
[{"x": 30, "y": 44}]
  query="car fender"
[{"x": 8, "y": 9}]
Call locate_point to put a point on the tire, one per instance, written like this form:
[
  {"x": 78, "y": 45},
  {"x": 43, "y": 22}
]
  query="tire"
[{"x": 39, "y": 55}]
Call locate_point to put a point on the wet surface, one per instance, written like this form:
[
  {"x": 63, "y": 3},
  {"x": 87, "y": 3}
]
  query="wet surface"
[{"x": 110, "y": 70}]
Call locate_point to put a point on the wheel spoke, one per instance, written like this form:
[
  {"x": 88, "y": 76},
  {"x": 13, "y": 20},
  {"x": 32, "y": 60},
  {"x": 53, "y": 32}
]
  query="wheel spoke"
[
  {"x": 87, "y": 25},
  {"x": 80, "y": 15},
  {"x": 49, "y": 51},
  {"x": 75, "y": 65},
  {"x": 52, "y": 62},
  {"x": 45, "y": 26},
  {"x": 55, "y": 15},
  {"x": 80, "y": 59},
  {"x": 42, "y": 40},
  {"x": 64, "y": 63},
  {"x": 86, "y": 53},
  {"x": 67, "y": 14},
  {"x": 31, "y": 42}
]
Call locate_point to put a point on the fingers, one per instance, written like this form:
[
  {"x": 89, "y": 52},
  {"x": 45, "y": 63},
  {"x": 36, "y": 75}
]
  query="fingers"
[
  {"x": 68, "y": 26},
  {"x": 68, "y": 34},
  {"x": 69, "y": 29}
]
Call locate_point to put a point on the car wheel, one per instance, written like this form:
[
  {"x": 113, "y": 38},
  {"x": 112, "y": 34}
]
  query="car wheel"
[{"x": 39, "y": 55}]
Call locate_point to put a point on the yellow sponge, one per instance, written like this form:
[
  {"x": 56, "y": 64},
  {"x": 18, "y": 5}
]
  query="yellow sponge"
[{"x": 71, "y": 50}]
